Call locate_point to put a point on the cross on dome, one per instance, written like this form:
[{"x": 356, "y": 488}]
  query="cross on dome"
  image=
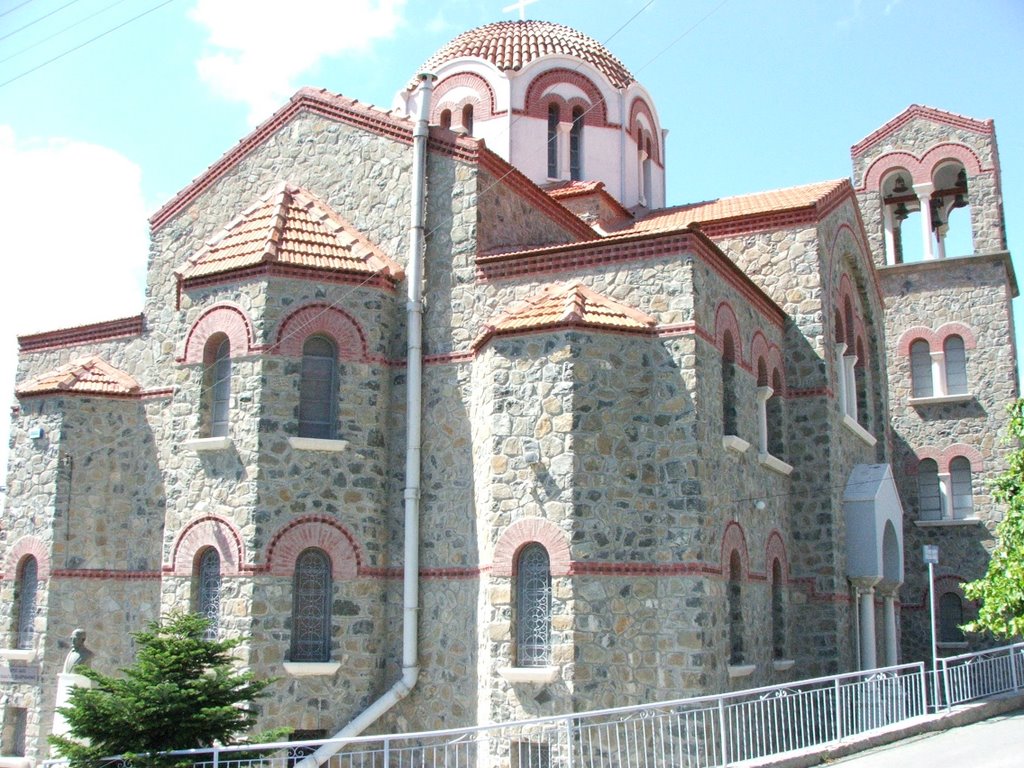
[{"x": 519, "y": 5}]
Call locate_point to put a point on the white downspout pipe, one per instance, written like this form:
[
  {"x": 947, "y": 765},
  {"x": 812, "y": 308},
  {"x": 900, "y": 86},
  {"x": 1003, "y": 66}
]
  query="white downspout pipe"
[{"x": 414, "y": 412}]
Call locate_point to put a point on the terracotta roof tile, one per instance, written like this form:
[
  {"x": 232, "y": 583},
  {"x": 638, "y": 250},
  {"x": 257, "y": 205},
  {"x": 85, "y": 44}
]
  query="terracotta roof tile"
[
  {"x": 571, "y": 303},
  {"x": 511, "y": 45},
  {"x": 563, "y": 189},
  {"x": 86, "y": 376},
  {"x": 293, "y": 227},
  {"x": 774, "y": 201}
]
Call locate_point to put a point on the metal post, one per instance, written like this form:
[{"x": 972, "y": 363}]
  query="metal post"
[
  {"x": 724, "y": 738},
  {"x": 568, "y": 742},
  {"x": 1013, "y": 669},
  {"x": 935, "y": 647},
  {"x": 838, "y": 710}
]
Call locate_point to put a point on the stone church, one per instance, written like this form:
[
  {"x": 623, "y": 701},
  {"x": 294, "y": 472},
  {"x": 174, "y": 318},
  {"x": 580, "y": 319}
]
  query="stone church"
[{"x": 443, "y": 404}]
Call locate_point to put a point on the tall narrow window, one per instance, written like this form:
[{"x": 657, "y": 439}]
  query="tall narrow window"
[
  {"x": 778, "y": 613},
  {"x": 956, "y": 365},
  {"x": 533, "y": 607},
  {"x": 311, "y": 607},
  {"x": 860, "y": 379},
  {"x": 26, "y": 591},
  {"x": 735, "y": 606},
  {"x": 552, "y": 141},
  {"x": 207, "y": 590},
  {"x": 446, "y": 118},
  {"x": 648, "y": 175},
  {"x": 576, "y": 145},
  {"x": 218, "y": 384},
  {"x": 317, "y": 388},
  {"x": 951, "y": 616},
  {"x": 921, "y": 368},
  {"x": 929, "y": 497},
  {"x": 728, "y": 385},
  {"x": 776, "y": 441},
  {"x": 467, "y": 119},
  {"x": 963, "y": 491}
]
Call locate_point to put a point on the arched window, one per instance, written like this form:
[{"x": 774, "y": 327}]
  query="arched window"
[
  {"x": 956, "y": 365},
  {"x": 951, "y": 616},
  {"x": 576, "y": 145},
  {"x": 860, "y": 378},
  {"x": 929, "y": 497},
  {"x": 553, "y": 140},
  {"x": 206, "y": 601},
  {"x": 728, "y": 385},
  {"x": 963, "y": 492},
  {"x": 467, "y": 119},
  {"x": 921, "y": 368},
  {"x": 648, "y": 175},
  {"x": 778, "y": 613},
  {"x": 776, "y": 441},
  {"x": 533, "y": 607},
  {"x": 26, "y": 591},
  {"x": 311, "y": 607},
  {"x": 446, "y": 118},
  {"x": 318, "y": 388},
  {"x": 217, "y": 384},
  {"x": 735, "y": 605}
]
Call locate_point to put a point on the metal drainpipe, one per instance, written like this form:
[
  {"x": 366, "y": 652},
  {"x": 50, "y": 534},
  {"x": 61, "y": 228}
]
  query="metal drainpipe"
[{"x": 414, "y": 398}]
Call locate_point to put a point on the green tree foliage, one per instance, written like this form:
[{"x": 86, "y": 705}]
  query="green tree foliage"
[
  {"x": 1001, "y": 589},
  {"x": 182, "y": 692}
]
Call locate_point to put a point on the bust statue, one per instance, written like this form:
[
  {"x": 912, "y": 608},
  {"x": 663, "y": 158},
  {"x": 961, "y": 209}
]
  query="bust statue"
[{"x": 79, "y": 655}]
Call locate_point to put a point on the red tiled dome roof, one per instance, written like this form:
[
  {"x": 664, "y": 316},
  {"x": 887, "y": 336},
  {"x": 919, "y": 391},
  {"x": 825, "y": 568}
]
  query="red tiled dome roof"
[{"x": 510, "y": 45}]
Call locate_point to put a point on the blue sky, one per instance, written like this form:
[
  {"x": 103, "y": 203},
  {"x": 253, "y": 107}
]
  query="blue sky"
[{"x": 755, "y": 95}]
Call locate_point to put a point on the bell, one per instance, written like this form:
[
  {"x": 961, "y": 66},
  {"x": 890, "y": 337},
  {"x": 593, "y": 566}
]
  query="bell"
[
  {"x": 900, "y": 212},
  {"x": 900, "y": 186},
  {"x": 936, "y": 207},
  {"x": 961, "y": 180},
  {"x": 959, "y": 201}
]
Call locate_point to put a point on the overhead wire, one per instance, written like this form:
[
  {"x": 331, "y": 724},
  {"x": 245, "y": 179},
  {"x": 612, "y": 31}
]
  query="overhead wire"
[
  {"x": 36, "y": 21},
  {"x": 16, "y": 7},
  {"x": 59, "y": 32}
]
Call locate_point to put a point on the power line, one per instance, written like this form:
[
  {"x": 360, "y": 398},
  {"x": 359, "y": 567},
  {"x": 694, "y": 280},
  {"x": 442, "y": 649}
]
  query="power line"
[
  {"x": 81, "y": 21},
  {"x": 36, "y": 21},
  {"x": 12, "y": 10}
]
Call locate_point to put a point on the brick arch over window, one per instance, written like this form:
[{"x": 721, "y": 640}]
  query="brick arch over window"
[
  {"x": 957, "y": 329},
  {"x": 24, "y": 547},
  {"x": 526, "y": 531},
  {"x": 936, "y": 339},
  {"x": 942, "y": 153},
  {"x": 537, "y": 99},
  {"x": 734, "y": 539},
  {"x": 640, "y": 107},
  {"x": 320, "y": 532},
  {"x": 725, "y": 320},
  {"x": 920, "y": 169},
  {"x": 774, "y": 550},
  {"x": 485, "y": 96},
  {"x": 943, "y": 456},
  {"x": 323, "y": 319},
  {"x": 229, "y": 319},
  {"x": 208, "y": 531},
  {"x": 762, "y": 349}
]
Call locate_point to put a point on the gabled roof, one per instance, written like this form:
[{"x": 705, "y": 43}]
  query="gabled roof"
[
  {"x": 86, "y": 376},
  {"x": 289, "y": 226},
  {"x": 568, "y": 304},
  {"x": 917, "y": 111},
  {"x": 744, "y": 210}
]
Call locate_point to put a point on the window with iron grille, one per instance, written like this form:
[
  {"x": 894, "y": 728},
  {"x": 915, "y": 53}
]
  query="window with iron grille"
[
  {"x": 25, "y": 595},
  {"x": 218, "y": 384},
  {"x": 576, "y": 145},
  {"x": 929, "y": 497},
  {"x": 956, "y": 365},
  {"x": 318, "y": 387},
  {"x": 208, "y": 585},
  {"x": 311, "y": 607},
  {"x": 951, "y": 616},
  {"x": 553, "y": 141},
  {"x": 963, "y": 490},
  {"x": 533, "y": 607}
]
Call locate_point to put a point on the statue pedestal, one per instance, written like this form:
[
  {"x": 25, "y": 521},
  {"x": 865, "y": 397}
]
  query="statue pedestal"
[{"x": 65, "y": 682}]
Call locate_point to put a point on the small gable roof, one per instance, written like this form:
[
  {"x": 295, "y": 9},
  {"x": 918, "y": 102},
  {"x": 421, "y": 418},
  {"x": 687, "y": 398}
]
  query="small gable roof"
[
  {"x": 289, "y": 226},
  {"x": 85, "y": 376},
  {"x": 920, "y": 112},
  {"x": 570, "y": 304}
]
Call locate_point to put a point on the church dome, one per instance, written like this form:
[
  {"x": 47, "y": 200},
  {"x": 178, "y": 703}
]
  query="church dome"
[{"x": 511, "y": 45}]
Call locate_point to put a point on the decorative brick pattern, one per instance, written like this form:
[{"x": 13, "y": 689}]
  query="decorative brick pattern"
[
  {"x": 526, "y": 531},
  {"x": 323, "y": 533},
  {"x": 537, "y": 97},
  {"x": 24, "y": 547},
  {"x": 204, "y": 532},
  {"x": 229, "y": 319},
  {"x": 324, "y": 319}
]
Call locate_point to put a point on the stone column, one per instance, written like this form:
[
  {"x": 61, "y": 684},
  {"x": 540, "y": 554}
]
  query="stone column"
[
  {"x": 866, "y": 604},
  {"x": 763, "y": 395},
  {"x": 890, "y": 236},
  {"x": 888, "y": 592},
  {"x": 946, "y": 495},
  {"x": 939, "y": 373},
  {"x": 924, "y": 196},
  {"x": 841, "y": 375},
  {"x": 940, "y": 236},
  {"x": 563, "y": 150},
  {"x": 849, "y": 369}
]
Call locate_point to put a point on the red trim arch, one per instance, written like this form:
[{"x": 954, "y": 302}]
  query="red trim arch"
[
  {"x": 762, "y": 349},
  {"x": 725, "y": 320},
  {"x": 324, "y": 319},
  {"x": 936, "y": 339},
  {"x": 527, "y": 531},
  {"x": 229, "y": 319},
  {"x": 775, "y": 549},
  {"x": 640, "y": 106},
  {"x": 734, "y": 539},
  {"x": 321, "y": 532},
  {"x": 207, "y": 531},
  {"x": 921, "y": 169},
  {"x": 943, "y": 456},
  {"x": 24, "y": 547},
  {"x": 485, "y": 96},
  {"x": 957, "y": 329},
  {"x": 535, "y": 103}
]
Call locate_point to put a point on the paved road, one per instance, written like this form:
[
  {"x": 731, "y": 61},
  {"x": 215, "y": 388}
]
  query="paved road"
[{"x": 994, "y": 743}]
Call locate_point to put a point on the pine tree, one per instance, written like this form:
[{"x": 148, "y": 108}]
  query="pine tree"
[
  {"x": 182, "y": 692},
  {"x": 1001, "y": 589}
]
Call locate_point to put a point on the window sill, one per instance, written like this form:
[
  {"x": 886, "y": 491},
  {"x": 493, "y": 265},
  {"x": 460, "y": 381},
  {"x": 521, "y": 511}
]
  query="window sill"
[
  {"x": 858, "y": 430},
  {"x": 940, "y": 399},
  {"x": 317, "y": 444},
  {"x": 311, "y": 668},
  {"x": 741, "y": 670},
  {"x": 208, "y": 443},
  {"x": 781, "y": 665},
  {"x": 945, "y": 523},
  {"x": 529, "y": 674},
  {"x": 774, "y": 464},
  {"x": 18, "y": 654},
  {"x": 735, "y": 443}
]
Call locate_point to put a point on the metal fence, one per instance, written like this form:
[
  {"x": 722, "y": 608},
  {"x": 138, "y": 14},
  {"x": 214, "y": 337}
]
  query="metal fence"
[{"x": 703, "y": 732}]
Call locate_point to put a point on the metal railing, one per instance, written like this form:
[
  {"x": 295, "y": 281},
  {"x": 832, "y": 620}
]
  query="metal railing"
[{"x": 703, "y": 732}]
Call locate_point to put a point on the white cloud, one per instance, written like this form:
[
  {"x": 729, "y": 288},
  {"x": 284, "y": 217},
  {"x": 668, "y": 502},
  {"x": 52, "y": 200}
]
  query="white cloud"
[
  {"x": 258, "y": 48},
  {"x": 75, "y": 242}
]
